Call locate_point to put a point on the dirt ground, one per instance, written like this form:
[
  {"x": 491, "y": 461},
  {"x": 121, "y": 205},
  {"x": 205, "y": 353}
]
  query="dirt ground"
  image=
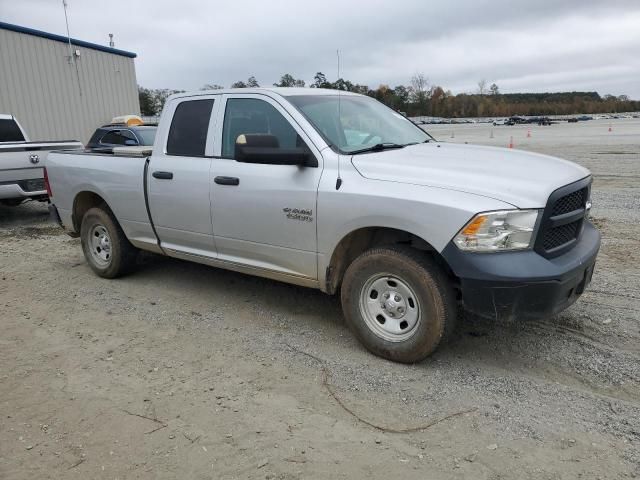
[{"x": 184, "y": 371}]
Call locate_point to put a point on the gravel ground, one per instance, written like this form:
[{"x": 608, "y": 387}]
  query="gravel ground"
[{"x": 185, "y": 371}]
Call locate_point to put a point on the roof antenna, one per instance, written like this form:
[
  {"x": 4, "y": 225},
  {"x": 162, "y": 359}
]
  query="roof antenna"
[
  {"x": 339, "y": 179},
  {"x": 72, "y": 57}
]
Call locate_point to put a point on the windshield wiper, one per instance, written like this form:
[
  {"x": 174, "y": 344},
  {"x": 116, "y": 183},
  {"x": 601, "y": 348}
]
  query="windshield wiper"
[{"x": 378, "y": 147}]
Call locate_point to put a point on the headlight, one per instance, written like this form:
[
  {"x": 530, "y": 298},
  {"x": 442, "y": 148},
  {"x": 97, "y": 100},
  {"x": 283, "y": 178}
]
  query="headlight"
[{"x": 498, "y": 231}]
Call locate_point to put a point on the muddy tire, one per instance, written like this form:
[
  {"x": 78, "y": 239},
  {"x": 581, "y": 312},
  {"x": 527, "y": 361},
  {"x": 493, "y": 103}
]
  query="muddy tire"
[
  {"x": 398, "y": 302},
  {"x": 105, "y": 246}
]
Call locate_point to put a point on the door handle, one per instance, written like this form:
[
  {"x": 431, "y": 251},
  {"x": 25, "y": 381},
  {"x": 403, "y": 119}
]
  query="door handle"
[
  {"x": 227, "y": 180},
  {"x": 163, "y": 175}
]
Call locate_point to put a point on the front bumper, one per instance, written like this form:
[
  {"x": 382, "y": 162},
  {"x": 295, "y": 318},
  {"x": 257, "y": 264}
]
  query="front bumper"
[{"x": 524, "y": 285}]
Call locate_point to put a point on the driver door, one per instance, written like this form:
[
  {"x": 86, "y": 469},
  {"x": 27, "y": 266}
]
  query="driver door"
[{"x": 264, "y": 216}]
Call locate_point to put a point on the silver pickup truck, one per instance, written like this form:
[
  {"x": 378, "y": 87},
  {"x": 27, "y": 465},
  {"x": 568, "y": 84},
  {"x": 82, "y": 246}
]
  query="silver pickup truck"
[
  {"x": 21, "y": 161},
  {"x": 337, "y": 192}
]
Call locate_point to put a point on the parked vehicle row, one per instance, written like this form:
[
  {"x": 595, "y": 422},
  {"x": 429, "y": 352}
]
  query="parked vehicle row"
[
  {"x": 21, "y": 161},
  {"x": 516, "y": 120},
  {"x": 340, "y": 193}
]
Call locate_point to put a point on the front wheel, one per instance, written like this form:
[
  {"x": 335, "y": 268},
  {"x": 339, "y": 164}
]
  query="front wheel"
[
  {"x": 398, "y": 302},
  {"x": 105, "y": 245}
]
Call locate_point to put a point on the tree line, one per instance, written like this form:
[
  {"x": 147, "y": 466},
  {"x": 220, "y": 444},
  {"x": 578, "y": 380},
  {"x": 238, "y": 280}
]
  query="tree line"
[{"x": 422, "y": 98}]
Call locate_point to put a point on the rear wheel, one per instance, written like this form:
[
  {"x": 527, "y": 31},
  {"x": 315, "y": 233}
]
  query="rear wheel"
[
  {"x": 398, "y": 302},
  {"x": 105, "y": 246}
]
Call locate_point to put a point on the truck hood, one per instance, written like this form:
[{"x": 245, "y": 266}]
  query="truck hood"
[{"x": 523, "y": 179}]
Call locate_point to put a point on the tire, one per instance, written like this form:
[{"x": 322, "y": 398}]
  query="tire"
[
  {"x": 105, "y": 246},
  {"x": 419, "y": 294}
]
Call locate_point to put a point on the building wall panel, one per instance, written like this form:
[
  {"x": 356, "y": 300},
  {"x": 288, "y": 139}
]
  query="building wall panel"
[{"x": 39, "y": 85}]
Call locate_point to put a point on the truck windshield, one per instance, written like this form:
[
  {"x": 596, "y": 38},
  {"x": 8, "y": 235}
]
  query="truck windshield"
[{"x": 362, "y": 124}]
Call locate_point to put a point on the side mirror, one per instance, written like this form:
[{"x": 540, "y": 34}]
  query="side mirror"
[
  {"x": 265, "y": 149},
  {"x": 130, "y": 143}
]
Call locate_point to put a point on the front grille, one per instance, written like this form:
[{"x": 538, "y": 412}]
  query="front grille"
[
  {"x": 570, "y": 203},
  {"x": 557, "y": 236},
  {"x": 562, "y": 219}
]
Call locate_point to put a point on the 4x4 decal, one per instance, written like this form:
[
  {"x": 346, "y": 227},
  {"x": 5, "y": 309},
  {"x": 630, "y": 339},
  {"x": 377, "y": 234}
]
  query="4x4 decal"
[{"x": 302, "y": 214}]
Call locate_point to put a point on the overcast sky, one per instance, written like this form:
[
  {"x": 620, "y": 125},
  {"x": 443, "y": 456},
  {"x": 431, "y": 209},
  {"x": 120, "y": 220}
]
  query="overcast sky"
[{"x": 522, "y": 45}]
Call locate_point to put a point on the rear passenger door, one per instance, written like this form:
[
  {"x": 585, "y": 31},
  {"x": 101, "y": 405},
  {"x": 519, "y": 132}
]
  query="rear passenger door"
[{"x": 178, "y": 177}]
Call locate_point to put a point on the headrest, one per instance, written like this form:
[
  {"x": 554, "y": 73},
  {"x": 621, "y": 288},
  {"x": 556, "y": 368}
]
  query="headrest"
[{"x": 263, "y": 140}]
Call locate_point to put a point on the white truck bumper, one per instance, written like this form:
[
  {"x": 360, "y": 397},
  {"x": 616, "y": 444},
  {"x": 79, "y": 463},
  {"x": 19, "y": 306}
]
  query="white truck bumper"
[{"x": 14, "y": 190}]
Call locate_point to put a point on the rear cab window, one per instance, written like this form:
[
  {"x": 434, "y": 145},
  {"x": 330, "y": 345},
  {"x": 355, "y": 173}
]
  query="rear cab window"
[
  {"x": 10, "y": 131},
  {"x": 189, "y": 126}
]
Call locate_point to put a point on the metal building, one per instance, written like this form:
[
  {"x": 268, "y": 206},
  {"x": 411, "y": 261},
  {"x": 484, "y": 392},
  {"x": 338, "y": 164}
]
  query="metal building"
[{"x": 61, "y": 90}]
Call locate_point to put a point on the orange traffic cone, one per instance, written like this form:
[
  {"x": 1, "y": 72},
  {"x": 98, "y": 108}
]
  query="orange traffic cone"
[
  {"x": 511, "y": 142},
  {"x": 610, "y": 129}
]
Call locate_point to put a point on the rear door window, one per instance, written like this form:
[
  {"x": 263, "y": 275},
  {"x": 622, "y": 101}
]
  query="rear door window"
[
  {"x": 9, "y": 131},
  {"x": 189, "y": 126}
]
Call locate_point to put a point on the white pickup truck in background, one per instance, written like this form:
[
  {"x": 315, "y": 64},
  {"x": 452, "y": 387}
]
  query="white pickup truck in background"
[{"x": 21, "y": 172}]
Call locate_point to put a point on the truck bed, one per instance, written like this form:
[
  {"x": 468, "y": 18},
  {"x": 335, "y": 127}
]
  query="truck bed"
[{"x": 118, "y": 179}]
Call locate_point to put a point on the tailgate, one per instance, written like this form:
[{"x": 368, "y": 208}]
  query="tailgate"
[{"x": 24, "y": 160}]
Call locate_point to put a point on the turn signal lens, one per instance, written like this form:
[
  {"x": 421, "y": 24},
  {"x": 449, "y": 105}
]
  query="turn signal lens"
[{"x": 475, "y": 224}]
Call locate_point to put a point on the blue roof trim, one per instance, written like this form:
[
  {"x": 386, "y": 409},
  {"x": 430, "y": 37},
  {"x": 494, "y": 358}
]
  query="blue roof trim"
[{"x": 60, "y": 38}]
